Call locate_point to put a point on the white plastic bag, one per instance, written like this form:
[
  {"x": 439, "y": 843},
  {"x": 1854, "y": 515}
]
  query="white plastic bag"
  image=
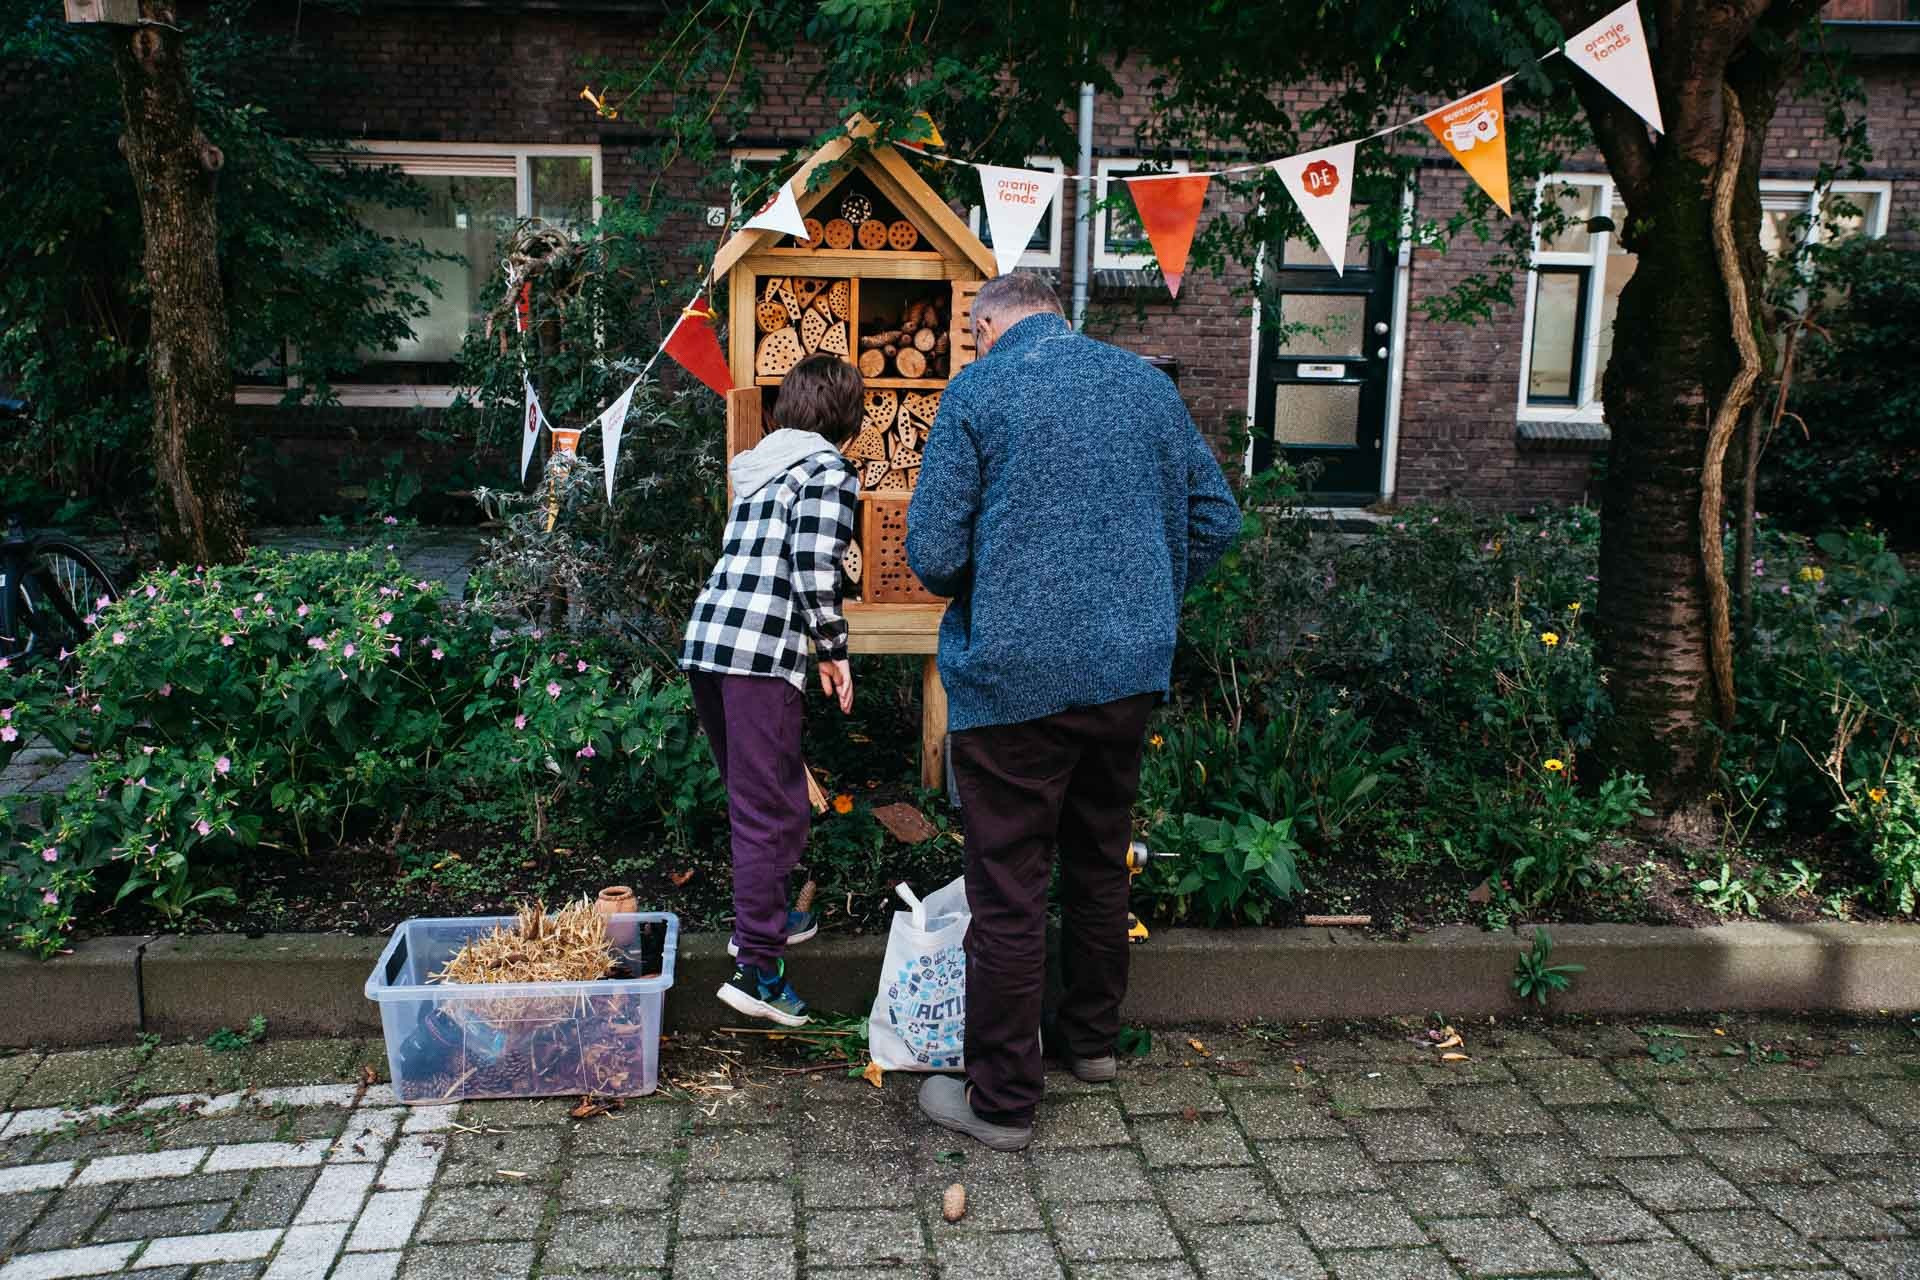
[{"x": 919, "y": 1019}]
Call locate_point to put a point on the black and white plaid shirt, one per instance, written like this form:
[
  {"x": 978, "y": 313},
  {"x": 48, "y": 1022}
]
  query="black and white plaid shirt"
[{"x": 778, "y": 579}]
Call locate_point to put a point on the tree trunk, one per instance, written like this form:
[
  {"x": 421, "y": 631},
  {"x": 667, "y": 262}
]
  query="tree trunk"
[{"x": 173, "y": 165}]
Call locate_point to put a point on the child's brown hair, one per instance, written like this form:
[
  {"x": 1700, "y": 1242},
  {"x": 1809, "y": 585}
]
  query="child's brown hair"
[{"x": 821, "y": 394}]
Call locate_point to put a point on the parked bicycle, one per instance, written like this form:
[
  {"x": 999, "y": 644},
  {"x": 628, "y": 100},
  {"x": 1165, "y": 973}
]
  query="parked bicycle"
[{"x": 51, "y": 589}]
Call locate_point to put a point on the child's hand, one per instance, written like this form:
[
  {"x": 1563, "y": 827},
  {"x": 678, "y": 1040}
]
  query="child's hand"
[{"x": 836, "y": 681}]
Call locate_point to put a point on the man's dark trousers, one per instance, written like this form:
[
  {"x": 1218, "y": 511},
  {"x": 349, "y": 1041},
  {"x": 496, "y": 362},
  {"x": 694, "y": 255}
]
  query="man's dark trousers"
[
  {"x": 753, "y": 723},
  {"x": 1064, "y": 781}
]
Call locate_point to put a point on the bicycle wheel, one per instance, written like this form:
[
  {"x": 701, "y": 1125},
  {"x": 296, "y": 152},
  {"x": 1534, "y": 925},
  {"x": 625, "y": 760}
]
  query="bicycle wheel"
[{"x": 59, "y": 597}]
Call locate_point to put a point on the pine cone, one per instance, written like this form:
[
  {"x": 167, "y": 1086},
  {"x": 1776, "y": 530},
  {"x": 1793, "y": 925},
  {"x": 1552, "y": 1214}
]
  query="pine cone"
[{"x": 505, "y": 1077}]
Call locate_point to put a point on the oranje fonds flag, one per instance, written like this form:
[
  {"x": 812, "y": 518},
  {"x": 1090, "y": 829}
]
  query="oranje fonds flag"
[
  {"x": 1169, "y": 209},
  {"x": 1474, "y": 132}
]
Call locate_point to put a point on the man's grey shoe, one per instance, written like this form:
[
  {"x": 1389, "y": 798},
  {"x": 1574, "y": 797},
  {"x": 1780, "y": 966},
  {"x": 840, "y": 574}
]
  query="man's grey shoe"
[
  {"x": 1094, "y": 1070},
  {"x": 943, "y": 1100}
]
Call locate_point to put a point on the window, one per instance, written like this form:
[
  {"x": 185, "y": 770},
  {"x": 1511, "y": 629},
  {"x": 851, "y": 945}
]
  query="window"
[
  {"x": 1043, "y": 248},
  {"x": 756, "y": 171},
  {"x": 1118, "y": 238},
  {"x": 1574, "y": 289},
  {"x": 473, "y": 195}
]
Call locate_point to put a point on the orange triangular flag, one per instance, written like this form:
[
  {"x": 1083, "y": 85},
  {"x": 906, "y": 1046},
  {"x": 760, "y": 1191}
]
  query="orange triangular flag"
[
  {"x": 696, "y": 348},
  {"x": 1474, "y": 132},
  {"x": 1169, "y": 208}
]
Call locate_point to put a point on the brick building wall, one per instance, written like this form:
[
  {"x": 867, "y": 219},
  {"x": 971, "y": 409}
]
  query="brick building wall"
[{"x": 479, "y": 76}]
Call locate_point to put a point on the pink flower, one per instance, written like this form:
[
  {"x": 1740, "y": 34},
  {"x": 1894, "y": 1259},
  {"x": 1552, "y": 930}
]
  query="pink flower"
[
  {"x": 391, "y": 520},
  {"x": 91, "y": 618},
  {"x": 301, "y": 612},
  {"x": 553, "y": 688},
  {"x": 426, "y": 640},
  {"x": 386, "y": 617},
  {"x": 119, "y": 637},
  {"x": 388, "y": 591},
  {"x": 166, "y": 690},
  {"x": 103, "y": 602},
  {"x": 223, "y": 765},
  {"x": 5, "y": 663},
  {"x": 203, "y": 827},
  {"x": 239, "y": 615},
  {"x": 152, "y": 591},
  {"x": 64, "y": 653},
  {"x": 580, "y": 665},
  {"x": 51, "y": 898},
  {"x": 226, "y": 642},
  {"x": 258, "y": 596},
  {"x": 315, "y": 642},
  {"x": 520, "y": 722},
  {"x": 50, "y": 854},
  {"x": 348, "y": 651},
  {"x": 516, "y": 685},
  {"x": 394, "y": 649},
  {"x": 8, "y": 733},
  {"x": 423, "y": 585},
  {"x": 148, "y": 750},
  {"x": 7, "y": 714},
  {"x": 585, "y": 753},
  {"x": 538, "y": 633},
  {"x": 437, "y": 655}
]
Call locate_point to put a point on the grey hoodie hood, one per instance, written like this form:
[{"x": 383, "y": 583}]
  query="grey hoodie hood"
[{"x": 752, "y": 470}]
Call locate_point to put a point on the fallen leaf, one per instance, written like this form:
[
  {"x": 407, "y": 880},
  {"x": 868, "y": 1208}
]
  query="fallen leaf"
[
  {"x": 1719, "y": 1031},
  {"x": 680, "y": 878},
  {"x": 1453, "y": 1057},
  {"x": 1481, "y": 894},
  {"x": 1241, "y": 1069},
  {"x": 906, "y": 823},
  {"x": 367, "y": 1076},
  {"x": 1453, "y": 1041},
  {"x": 873, "y": 1074},
  {"x": 510, "y": 1173},
  {"x": 1197, "y": 1047}
]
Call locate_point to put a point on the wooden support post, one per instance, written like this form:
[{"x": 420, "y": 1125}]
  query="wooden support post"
[{"x": 933, "y": 727}]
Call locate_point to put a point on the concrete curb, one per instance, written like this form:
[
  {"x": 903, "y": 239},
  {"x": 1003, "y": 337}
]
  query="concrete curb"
[{"x": 111, "y": 989}]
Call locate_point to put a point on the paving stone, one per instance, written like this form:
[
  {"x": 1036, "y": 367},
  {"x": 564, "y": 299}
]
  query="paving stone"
[
  {"x": 469, "y": 1261},
  {"x": 1105, "y": 1232},
  {"x": 1433, "y": 1074},
  {"x": 36, "y": 1177},
  {"x": 1605, "y": 1040},
  {"x": 157, "y": 1164},
  {"x": 71, "y": 1219},
  {"x": 1162, "y": 1270},
  {"x": 367, "y": 1266},
  {"x": 998, "y": 1195},
  {"x": 387, "y": 1222},
  {"x": 883, "y": 1130},
  {"x": 478, "y": 1157},
  {"x": 256, "y": 1124},
  {"x": 1833, "y": 1131},
  {"x": 19, "y": 1151},
  {"x": 1883, "y": 1260},
  {"x": 1520, "y": 1044},
  {"x": 337, "y": 1194},
  {"x": 1540, "y": 1162},
  {"x": 50, "y": 1265},
  {"x": 175, "y": 1220},
  {"x": 225, "y": 1246},
  {"x": 265, "y": 1155},
  {"x": 481, "y": 1213},
  {"x": 1391, "y": 1264},
  {"x": 1393, "y": 1136},
  {"x": 1306, "y": 1168},
  {"x": 1668, "y": 1184},
  {"x": 219, "y": 1271},
  {"x": 1448, "y": 1190},
  {"x": 514, "y": 1113},
  {"x": 1892, "y": 1182},
  {"x": 1589, "y": 1216},
  {"x": 273, "y": 1198},
  {"x": 1089, "y": 1120},
  {"x": 1159, "y": 1093},
  {"x": 856, "y": 1185},
  {"x": 642, "y": 1129},
  {"x": 1294, "y": 1113},
  {"x": 1759, "y": 1157},
  {"x": 15, "y": 1068},
  {"x": 1356, "y": 1222},
  {"x": 1219, "y": 1196},
  {"x": 1570, "y": 1083},
  {"x": 413, "y": 1162},
  {"x": 1744, "y": 1238},
  {"x": 1205, "y": 1140},
  {"x": 1893, "y": 1104},
  {"x": 863, "y": 1238},
  {"x": 740, "y": 1153},
  {"x": 1498, "y": 1111},
  {"x": 1102, "y": 1173},
  {"x": 1499, "y": 1246},
  {"x": 1638, "y": 1071},
  {"x": 993, "y": 1257},
  {"x": 1620, "y": 1131},
  {"x": 1829, "y": 1212},
  {"x": 731, "y": 1259},
  {"x": 307, "y": 1253},
  {"x": 195, "y": 1186},
  {"x": 737, "y": 1209},
  {"x": 617, "y": 1244},
  {"x": 1382, "y": 1089},
  {"x": 78, "y": 1079},
  {"x": 1781, "y": 1082},
  {"x": 1699, "y": 1104},
  {"x": 1260, "y": 1251},
  {"x": 1664, "y": 1260}
]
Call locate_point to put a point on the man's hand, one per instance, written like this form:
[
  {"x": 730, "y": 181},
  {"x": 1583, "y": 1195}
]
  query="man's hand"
[{"x": 836, "y": 681}]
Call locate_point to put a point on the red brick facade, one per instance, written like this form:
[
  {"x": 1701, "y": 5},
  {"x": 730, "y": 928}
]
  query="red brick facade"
[{"x": 469, "y": 75}]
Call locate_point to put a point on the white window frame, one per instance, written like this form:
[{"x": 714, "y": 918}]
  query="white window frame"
[
  {"x": 478, "y": 159},
  {"x": 1587, "y": 406},
  {"x": 1048, "y": 258},
  {"x": 1104, "y": 258}
]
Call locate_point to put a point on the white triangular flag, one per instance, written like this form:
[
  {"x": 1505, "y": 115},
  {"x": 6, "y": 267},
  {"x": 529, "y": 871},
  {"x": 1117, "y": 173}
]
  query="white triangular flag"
[
  {"x": 529, "y": 428},
  {"x": 611, "y": 423},
  {"x": 782, "y": 214},
  {"x": 1015, "y": 200},
  {"x": 1614, "y": 52},
  {"x": 1321, "y": 183}
]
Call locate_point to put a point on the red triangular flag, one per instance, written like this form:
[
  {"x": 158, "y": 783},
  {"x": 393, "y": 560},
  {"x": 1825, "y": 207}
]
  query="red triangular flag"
[
  {"x": 696, "y": 348},
  {"x": 1169, "y": 208}
]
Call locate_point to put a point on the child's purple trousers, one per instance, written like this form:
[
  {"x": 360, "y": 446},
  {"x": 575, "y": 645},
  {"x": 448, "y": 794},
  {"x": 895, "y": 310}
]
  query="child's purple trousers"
[{"x": 753, "y": 723}]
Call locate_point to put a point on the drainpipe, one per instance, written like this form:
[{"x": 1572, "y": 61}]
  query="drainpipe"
[{"x": 1082, "y": 202}]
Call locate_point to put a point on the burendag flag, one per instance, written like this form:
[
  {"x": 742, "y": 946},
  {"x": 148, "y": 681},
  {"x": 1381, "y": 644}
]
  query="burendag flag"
[
  {"x": 1015, "y": 200},
  {"x": 1474, "y": 132},
  {"x": 1169, "y": 208}
]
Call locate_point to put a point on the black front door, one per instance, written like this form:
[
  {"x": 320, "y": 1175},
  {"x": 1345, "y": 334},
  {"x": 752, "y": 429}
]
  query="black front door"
[{"x": 1321, "y": 385}]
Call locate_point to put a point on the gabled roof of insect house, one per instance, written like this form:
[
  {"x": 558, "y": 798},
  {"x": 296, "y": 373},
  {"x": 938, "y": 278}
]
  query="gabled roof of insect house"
[{"x": 893, "y": 177}]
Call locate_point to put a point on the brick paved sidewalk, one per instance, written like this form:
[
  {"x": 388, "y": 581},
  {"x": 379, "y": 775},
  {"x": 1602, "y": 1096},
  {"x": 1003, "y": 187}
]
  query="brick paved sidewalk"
[{"x": 1566, "y": 1151}]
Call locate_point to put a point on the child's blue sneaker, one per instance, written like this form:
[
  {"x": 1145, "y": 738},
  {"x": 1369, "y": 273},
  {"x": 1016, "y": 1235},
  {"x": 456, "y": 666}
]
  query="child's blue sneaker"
[
  {"x": 801, "y": 925},
  {"x": 760, "y": 994}
]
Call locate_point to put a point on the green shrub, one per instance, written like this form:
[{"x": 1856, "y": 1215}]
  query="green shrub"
[{"x": 1886, "y": 814}]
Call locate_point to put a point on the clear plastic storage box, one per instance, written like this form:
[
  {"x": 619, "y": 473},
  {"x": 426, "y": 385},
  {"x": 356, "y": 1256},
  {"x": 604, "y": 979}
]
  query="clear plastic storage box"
[{"x": 451, "y": 1041}]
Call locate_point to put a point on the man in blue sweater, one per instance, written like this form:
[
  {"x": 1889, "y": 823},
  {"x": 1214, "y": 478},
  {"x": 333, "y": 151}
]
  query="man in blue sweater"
[{"x": 1065, "y": 503}]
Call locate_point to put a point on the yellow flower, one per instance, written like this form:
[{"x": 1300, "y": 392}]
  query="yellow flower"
[
  {"x": 1812, "y": 573},
  {"x": 1556, "y": 766},
  {"x": 1549, "y": 639},
  {"x": 1877, "y": 794},
  {"x": 1574, "y": 607},
  {"x": 1156, "y": 742},
  {"x": 843, "y": 803}
]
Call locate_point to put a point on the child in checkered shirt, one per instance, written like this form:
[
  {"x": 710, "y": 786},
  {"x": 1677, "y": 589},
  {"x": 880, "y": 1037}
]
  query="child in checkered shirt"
[{"x": 774, "y": 593}]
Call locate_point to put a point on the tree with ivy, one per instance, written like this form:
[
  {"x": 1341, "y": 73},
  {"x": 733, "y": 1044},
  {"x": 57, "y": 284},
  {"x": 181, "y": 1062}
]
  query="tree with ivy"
[{"x": 1689, "y": 350}]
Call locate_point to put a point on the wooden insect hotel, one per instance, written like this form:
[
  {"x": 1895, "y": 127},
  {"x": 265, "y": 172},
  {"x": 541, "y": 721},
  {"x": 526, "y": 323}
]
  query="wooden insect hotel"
[{"x": 885, "y": 279}]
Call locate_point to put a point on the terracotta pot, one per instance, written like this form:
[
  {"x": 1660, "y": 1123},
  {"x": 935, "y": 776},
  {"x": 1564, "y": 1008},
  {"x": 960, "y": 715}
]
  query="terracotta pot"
[{"x": 617, "y": 899}]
